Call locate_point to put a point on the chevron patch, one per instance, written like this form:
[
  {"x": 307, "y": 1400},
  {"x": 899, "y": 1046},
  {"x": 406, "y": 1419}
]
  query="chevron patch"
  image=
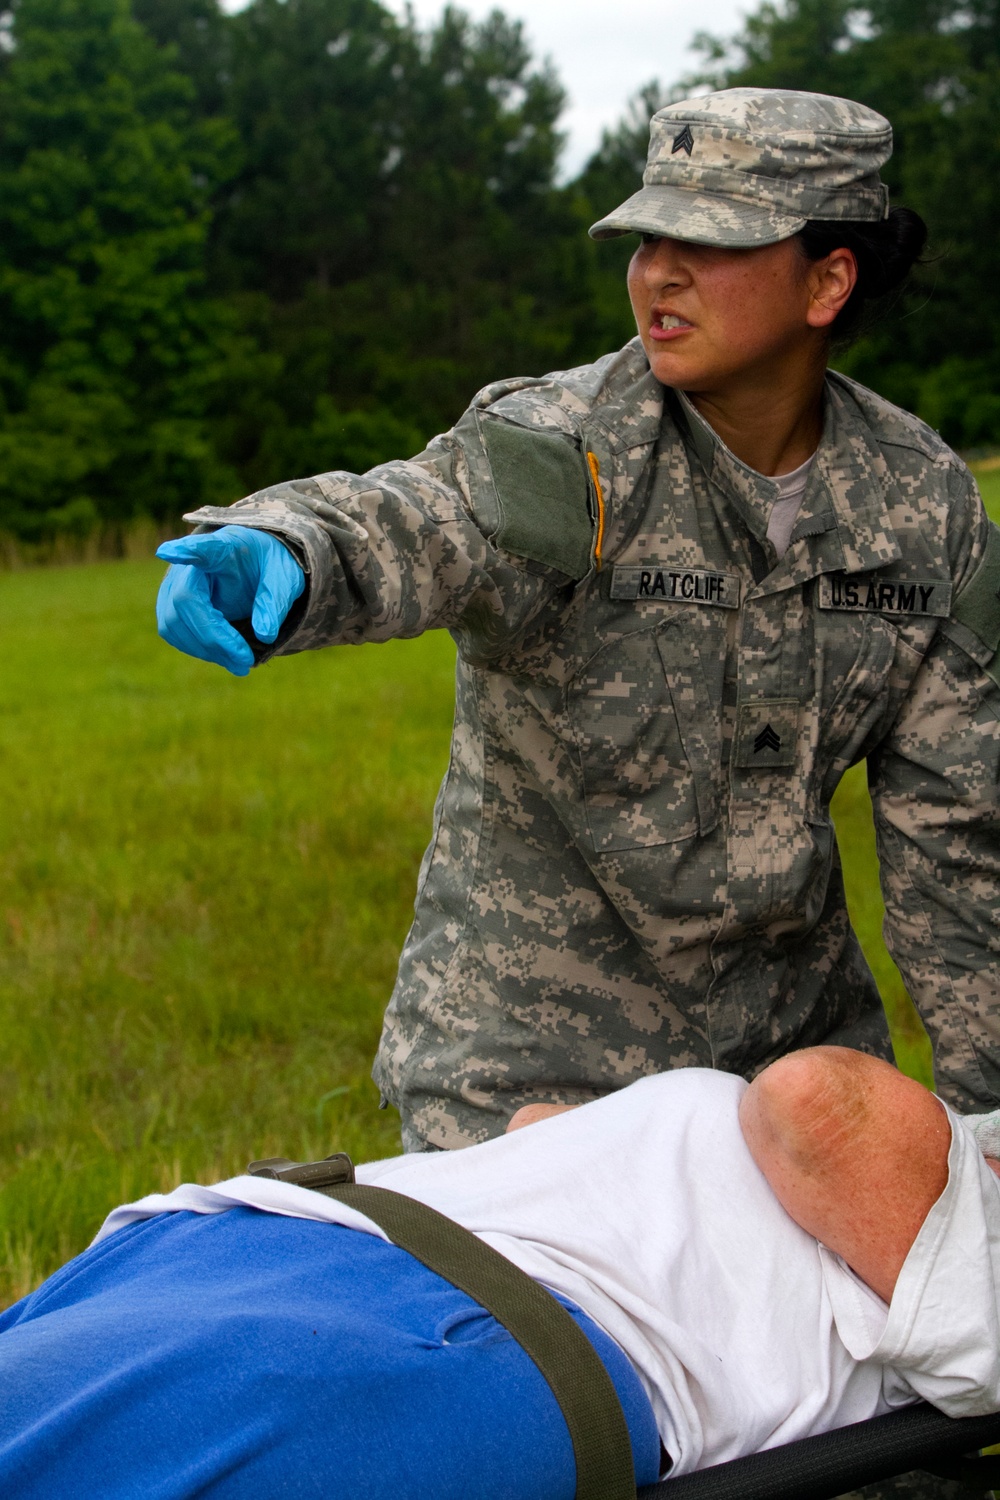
[
  {"x": 766, "y": 740},
  {"x": 766, "y": 734}
]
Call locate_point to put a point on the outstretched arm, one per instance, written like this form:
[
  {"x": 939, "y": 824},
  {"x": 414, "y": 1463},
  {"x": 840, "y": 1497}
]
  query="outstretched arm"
[
  {"x": 412, "y": 546},
  {"x": 855, "y": 1152}
]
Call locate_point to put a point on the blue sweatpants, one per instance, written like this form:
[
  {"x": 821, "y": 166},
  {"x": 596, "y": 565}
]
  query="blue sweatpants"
[{"x": 245, "y": 1356}]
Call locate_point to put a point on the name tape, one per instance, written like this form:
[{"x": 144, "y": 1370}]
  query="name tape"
[
  {"x": 677, "y": 586},
  {"x": 889, "y": 596}
]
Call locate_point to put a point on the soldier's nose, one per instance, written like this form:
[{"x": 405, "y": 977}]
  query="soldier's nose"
[{"x": 665, "y": 267}]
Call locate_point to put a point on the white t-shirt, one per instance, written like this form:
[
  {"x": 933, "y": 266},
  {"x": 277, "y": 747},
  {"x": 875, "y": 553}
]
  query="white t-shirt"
[
  {"x": 647, "y": 1210},
  {"x": 785, "y": 510}
]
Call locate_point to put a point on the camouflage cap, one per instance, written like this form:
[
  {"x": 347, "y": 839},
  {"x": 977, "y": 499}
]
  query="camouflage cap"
[{"x": 749, "y": 166}]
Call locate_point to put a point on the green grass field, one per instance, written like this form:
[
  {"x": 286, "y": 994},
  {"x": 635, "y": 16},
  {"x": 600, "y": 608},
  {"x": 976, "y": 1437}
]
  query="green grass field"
[{"x": 204, "y": 885}]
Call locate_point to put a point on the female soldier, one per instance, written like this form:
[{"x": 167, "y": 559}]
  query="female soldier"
[{"x": 690, "y": 584}]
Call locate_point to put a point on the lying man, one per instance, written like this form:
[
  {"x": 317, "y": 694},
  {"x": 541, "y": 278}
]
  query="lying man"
[{"x": 753, "y": 1265}]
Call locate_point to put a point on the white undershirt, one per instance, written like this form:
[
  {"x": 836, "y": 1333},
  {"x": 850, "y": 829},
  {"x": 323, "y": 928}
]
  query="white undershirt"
[
  {"x": 646, "y": 1209},
  {"x": 785, "y": 510}
]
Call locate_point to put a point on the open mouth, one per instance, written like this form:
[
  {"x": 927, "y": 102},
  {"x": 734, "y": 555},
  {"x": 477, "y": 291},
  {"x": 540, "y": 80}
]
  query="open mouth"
[{"x": 668, "y": 326}]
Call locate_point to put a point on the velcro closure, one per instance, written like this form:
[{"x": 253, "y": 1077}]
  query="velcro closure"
[{"x": 544, "y": 493}]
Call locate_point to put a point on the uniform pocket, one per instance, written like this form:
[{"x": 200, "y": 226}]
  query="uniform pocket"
[{"x": 640, "y": 782}]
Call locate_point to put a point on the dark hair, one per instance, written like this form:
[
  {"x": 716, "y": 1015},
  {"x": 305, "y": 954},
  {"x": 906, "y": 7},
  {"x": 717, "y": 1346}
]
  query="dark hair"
[{"x": 886, "y": 250}]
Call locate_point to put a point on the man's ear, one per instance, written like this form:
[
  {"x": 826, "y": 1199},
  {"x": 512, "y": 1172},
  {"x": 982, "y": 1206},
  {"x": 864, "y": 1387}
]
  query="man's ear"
[{"x": 831, "y": 282}]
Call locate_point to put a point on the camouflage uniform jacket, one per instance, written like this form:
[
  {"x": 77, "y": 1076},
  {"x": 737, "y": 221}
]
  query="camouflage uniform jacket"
[{"x": 632, "y": 865}]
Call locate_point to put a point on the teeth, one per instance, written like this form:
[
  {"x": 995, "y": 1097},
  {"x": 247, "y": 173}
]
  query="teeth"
[{"x": 671, "y": 321}]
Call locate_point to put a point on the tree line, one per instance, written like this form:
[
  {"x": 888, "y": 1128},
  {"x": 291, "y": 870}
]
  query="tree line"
[{"x": 235, "y": 247}]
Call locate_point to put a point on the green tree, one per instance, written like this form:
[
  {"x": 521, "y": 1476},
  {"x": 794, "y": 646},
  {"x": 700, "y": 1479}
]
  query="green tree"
[
  {"x": 109, "y": 351},
  {"x": 394, "y": 237},
  {"x": 197, "y": 32},
  {"x": 292, "y": 238},
  {"x": 612, "y": 174}
]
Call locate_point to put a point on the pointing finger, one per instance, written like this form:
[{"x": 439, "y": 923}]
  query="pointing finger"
[
  {"x": 209, "y": 551},
  {"x": 187, "y": 619}
]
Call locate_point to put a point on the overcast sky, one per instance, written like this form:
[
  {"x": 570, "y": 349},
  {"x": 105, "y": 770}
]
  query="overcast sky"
[{"x": 604, "y": 50}]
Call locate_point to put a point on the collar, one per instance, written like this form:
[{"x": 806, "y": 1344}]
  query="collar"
[
  {"x": 859, "y": 486},
  {"x": 630, "y": 415},
  {"x": 845, "y": 508},
  {"x": 752, "y": 494}
]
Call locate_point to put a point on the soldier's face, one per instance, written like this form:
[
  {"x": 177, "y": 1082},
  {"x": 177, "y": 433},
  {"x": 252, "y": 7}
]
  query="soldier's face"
[{"x": 713, "y": 320}]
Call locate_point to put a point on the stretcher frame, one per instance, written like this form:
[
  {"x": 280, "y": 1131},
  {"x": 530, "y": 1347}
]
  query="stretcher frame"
[{"x": 833, "y": 1464}]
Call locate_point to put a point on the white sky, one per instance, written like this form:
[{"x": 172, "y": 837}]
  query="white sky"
[{"x": 604, "y": 50}]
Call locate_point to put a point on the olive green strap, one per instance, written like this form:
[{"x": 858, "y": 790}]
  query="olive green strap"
[{"x": 541, "y": 1325}]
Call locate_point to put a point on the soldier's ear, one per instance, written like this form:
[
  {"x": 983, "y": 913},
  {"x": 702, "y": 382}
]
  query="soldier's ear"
[{"x": 831, "y": 281}]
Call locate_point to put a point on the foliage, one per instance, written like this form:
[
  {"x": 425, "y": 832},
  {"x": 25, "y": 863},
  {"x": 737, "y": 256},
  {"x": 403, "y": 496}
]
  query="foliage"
[
  {"x": 394, "y": 237},
  {"x": 105, "y": 356},
  {"x": 235, "y": 247}
]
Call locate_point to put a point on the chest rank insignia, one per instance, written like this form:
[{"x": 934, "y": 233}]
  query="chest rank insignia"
[
  {"x": 683, "y": 141},
  {"x": 766, "y": 733}
]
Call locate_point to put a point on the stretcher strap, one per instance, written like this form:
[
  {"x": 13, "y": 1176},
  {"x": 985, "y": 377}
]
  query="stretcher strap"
[{"x": 541, "y": 1325}]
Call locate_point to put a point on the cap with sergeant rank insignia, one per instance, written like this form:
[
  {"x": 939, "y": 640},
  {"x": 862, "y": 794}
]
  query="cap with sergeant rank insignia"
[{"x": 745, "y": 167}]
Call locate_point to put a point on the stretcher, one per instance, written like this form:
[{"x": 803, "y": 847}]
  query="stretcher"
[
  {"x": 818, "y": 1468},
  {"x": 824, "y": 1467}
]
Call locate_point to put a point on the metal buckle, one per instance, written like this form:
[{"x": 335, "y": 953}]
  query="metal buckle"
[{"x": 332, "y": 1171}]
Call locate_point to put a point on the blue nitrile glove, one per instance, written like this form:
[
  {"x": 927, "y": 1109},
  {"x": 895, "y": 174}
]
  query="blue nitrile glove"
[{"x": 235, "y": 573}]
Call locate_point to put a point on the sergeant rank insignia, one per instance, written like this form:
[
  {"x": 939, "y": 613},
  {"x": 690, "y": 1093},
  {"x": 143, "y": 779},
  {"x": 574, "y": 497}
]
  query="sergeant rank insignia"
[
  {"x": 766, "y": 731},
  {"x": 766, "y": 740},
  {"x": 683, "y": 141}
]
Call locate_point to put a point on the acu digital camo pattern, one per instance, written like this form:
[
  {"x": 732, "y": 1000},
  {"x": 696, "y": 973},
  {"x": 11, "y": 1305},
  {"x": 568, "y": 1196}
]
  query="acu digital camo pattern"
[
  {"x": 749, "y": 166},
  {"x": 633, "y": 865}
]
